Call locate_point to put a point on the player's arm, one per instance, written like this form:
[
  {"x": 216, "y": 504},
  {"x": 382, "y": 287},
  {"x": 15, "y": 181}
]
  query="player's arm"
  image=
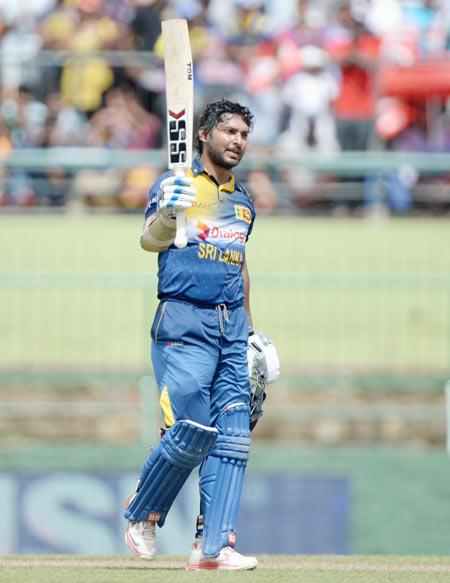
[
  {"x": 262, "y": 356},
  {"x": 158, "y": 234},
  {"x": 246, "y": 278},
  {"x": 174, "y": 195}
]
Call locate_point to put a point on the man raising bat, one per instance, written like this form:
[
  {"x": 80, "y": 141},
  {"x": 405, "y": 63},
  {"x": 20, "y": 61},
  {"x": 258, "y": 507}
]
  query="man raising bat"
[{"x": 200, "y": 337}]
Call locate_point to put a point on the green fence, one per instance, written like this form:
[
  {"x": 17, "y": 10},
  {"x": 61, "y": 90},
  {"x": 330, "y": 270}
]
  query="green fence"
[
  {"x": 342, "y": 299},
  {"x": 322, "y": 324}
]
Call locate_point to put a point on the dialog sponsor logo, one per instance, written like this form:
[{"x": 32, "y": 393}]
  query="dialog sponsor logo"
[{"x": 220, "y": 233}]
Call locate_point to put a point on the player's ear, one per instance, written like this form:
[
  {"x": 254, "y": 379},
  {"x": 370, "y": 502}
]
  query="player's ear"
[{"x": 202, "y": 135}]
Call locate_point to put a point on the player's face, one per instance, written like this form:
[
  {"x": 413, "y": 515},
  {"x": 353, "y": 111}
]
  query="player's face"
[{"x": 226, "y": 143}]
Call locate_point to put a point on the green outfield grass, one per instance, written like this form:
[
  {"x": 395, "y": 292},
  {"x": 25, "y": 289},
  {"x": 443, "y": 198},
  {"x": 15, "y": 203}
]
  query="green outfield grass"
[
  {"x": 78, "y": 293},
  {"x": 289, "y": 569}
]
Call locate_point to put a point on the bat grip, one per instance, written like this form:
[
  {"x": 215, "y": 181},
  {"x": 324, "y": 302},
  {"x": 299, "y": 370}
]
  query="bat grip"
[{"x": 180, "y": 237}]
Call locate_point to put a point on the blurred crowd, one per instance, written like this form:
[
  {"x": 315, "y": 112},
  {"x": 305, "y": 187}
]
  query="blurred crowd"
[{"x": 321, "y": 76}]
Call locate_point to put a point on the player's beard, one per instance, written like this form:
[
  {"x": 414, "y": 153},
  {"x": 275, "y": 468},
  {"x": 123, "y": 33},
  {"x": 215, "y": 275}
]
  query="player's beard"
[{"x": 217, "y": 158}]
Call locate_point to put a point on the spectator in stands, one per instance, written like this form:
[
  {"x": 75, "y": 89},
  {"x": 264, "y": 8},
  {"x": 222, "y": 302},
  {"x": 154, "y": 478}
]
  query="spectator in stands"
[
  {"x": 425, "y": 21},
  {"x": 354, "y": 49},
  {"x": 64, "y": 126},
  {"x": 31, "y": 117},
  {"x": 307, "y": 29},
  {"x": 375, "y": 17},
  {"x": 146, "y": 23},
  {"x": 57, "y": 27},
  {"x": 242, "y": 55},
  {"x": 264, "y": 192},
  {"x": 134, "y": 192},
  {"x": 308, "y": 97},
  {"x": 250, "y": 45},
  {"x": 124, "y": 123},
  {"x": 85, "y": 80},
  {"x": 249, "y": 27},
  {"x": 68, "y": 125},
  {"x": 415, "y": 28},
  {"x": 5, "y": 140},
  {"x": 19, "y": 42},
  {"x": 5, "y": 149},
  {"x": 25, "y": 117},
  {"x": 121, "y": 124}
]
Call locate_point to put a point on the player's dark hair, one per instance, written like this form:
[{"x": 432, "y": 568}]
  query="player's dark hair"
[{"x": 214, "y": 114}]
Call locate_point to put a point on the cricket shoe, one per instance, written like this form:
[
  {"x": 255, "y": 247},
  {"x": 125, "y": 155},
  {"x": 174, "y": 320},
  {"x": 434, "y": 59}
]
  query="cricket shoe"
[
  {"x": 227, "y": 560},
  {"x": 141, "y": 538}
]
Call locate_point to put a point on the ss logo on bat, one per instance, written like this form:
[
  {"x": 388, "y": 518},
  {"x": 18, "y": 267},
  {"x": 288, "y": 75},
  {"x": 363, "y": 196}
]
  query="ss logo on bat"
[{"x": 177, "y": 137}]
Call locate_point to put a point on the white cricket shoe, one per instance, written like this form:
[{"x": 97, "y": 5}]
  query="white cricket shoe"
[
  {"x": 141, "y": 538},
  {"x": 227, "y": 560}
]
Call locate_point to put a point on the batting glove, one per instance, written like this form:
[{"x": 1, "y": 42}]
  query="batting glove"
[{"x": 175, "y": 195}]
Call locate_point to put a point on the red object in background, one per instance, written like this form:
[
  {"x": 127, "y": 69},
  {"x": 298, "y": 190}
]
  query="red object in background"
[
  {"x": 392, "y": 117},
  {"x": 424, "y": 79},
  {"x": 355, "y": 57}
]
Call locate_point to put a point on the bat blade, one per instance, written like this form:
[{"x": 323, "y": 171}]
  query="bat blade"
[{"x": 179, "y": 103}]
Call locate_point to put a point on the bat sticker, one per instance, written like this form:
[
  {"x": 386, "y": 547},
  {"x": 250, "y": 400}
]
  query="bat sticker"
[{"x": 178, "y": 138}]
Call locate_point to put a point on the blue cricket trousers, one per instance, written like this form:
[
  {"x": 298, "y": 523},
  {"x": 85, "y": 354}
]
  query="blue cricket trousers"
[{"x": 199, "y": 357}]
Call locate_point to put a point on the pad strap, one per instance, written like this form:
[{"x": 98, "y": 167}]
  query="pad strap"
[
  {"x": 222, "y": 479},
  {"x": 182, "y": 447},
  {"x": 237, "y": 448}
]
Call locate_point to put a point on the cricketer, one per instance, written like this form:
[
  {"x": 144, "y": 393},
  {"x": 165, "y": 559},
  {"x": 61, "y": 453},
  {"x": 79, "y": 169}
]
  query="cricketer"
[{"x": 201, "y": 335}]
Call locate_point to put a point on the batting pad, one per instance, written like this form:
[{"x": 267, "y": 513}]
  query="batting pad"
[
  {"x": 166, "y": 469},
  {"x": 222, "y": 479}
]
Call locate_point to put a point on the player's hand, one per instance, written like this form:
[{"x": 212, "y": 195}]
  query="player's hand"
[{"x": 175, "y": 195}]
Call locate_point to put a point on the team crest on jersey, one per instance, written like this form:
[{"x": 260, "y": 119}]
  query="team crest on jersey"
[{"x": 243, "y": 213}]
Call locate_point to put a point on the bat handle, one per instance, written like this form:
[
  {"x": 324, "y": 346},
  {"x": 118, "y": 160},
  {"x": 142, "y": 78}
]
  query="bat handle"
[{"x": 180, "y": 237}]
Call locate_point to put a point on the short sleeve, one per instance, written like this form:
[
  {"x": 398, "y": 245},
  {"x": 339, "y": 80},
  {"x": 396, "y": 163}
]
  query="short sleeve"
[{"x": 250, "y": 228}]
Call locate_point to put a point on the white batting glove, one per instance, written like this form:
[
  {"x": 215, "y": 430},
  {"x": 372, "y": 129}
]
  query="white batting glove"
[{"x": 175, "y": 195}]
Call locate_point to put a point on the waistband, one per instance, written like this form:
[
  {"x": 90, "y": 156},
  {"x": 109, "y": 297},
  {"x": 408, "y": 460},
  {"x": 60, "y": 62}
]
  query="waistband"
[{"x": 204, "y": 306}]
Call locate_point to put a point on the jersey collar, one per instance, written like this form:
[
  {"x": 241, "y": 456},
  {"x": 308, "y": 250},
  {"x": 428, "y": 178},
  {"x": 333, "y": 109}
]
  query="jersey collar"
[{"x": 198, "y": 168}]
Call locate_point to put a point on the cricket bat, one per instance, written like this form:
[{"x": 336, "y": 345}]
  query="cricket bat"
[{"x": 179, "y": 104}]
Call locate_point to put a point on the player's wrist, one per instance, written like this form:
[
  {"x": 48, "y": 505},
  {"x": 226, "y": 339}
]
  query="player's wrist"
[{"x": 167, "y": 219}]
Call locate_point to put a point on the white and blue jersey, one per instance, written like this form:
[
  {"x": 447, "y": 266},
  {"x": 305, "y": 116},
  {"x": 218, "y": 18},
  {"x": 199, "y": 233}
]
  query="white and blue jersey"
[{"x": 208, "y": 271}]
